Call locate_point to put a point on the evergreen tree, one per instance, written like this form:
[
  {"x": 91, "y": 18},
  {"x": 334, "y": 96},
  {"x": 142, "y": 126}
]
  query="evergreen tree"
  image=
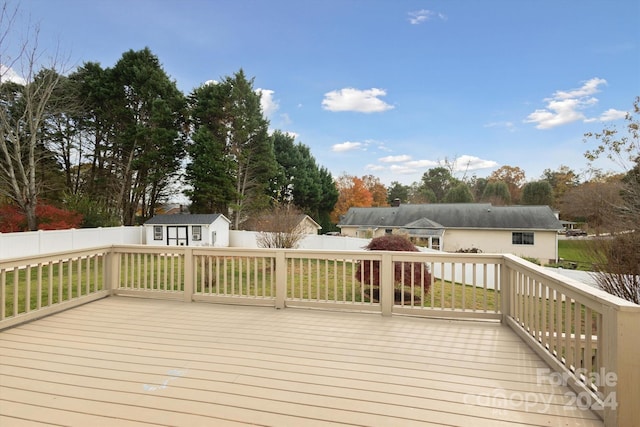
[
  {"x": 398, "y": 191},
  {"x": 230, "y": 111},
  {"x": 459, "y": 194},
  {"x": 149, "y": 116},
  {"x": 497, "y": 193},
  {"x": 537, "y": 193},
  {"x": 436, "y": 182},
  {"x": 208, "y": 172}
]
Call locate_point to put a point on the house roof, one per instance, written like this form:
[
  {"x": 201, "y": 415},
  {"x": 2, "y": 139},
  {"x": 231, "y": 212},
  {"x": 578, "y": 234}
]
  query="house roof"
[
  {"x": 455, "y": 215},
  {"x": 303, "y": 217},
  {"x": 185, "y": 219}
]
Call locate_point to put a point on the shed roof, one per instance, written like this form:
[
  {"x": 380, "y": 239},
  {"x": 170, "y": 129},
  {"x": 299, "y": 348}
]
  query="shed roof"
[
  {"x": 184, "y": 219},
  {"x": 455, "y": 215}
]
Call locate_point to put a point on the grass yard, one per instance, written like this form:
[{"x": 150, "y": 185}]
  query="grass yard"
[
  {"x": 576, "y": 251},
  {"x": 58, "y": 282},
  {"x": 308, "y": 279}
]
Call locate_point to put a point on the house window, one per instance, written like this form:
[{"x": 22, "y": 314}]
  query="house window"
[
  {"x": 196, "y": 232},
  {"x": 521, "y": 238},
  {"x": 157, "y": 232},
  {"x": 435, "y": 243},
  {"x": 388, "y": 231}
]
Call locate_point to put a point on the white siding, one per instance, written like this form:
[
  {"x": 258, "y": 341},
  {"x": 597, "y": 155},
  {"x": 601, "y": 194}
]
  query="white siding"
[{"x": 499, "y": 241}]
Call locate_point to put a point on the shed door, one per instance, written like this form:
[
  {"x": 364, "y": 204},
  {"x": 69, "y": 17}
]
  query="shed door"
[{"x": 178, "y": 235}]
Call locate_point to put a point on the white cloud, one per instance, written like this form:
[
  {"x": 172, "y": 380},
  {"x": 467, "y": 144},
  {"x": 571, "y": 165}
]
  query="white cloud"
[
  {"x": 284, "y": 117},
  {"x": 471, "y": 163},
  {"x": 567, "y": 106},
  {"x": 422, "y": 164},
  {"x": 504, "y": 125},
  {"x": 612, "y": 114},
  {"x": 347, "y": 146},
  {"x": 588, "y": 88},
  {"x": 404, "y": 165},
  {"x": 268, "y": 104},
  {"x": 374, "y": 168},
  {"x": 420, "y": 16},
  {"x": 395, "y": 159},
  {"x": 7, "y": 74},
  {"x": 350, "y": 99},
  {"x": 403, "y": 169}
]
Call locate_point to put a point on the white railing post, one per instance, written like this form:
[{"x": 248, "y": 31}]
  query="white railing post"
[
  {"x": 505, "y": 292},
  {"x": 112, "y": 270},
  {"x": 188, "y": 274},
  {"x": 621, "y": 382},
  {"x": 387, "y": 295},
  {"x": 281, "y": 279}
]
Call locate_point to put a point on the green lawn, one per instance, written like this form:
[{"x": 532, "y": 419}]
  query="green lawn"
[{"x": 576, "y": 251}]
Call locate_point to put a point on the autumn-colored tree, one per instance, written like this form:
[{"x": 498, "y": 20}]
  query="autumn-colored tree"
[
  {"x": 12, "y": 219},
  {"x": 377, "y": 189},
  {"x": 352, "y": 193},
  {"x": 512, "y": 176}
]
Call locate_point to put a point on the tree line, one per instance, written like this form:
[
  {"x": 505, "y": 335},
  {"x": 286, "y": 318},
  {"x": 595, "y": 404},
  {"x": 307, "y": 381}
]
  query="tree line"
[
  {"x": 593, "y": 199},
  {"x": 111, "y": 143}
]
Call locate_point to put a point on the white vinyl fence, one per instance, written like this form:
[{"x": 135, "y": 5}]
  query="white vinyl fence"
[
  {"x": 31, "y": 243},
  {"x": 14, "y": 245},
  {"x": 247, "y": 239}
]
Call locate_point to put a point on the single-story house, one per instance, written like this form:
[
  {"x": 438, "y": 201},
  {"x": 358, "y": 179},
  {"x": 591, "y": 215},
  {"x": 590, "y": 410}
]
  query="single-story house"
[
  {"x": 528, "y": 231},
  {"x": 188, "y": 230}
]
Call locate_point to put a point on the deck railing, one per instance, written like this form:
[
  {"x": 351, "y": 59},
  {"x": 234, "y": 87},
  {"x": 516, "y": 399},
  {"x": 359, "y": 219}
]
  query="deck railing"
[{"x": 588, "y": 337}]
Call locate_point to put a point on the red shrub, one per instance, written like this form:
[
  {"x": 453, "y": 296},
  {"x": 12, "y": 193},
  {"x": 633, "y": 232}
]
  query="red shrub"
[
  {"x": 49, "y": 218},
  {"x": 368, "y": 272}
]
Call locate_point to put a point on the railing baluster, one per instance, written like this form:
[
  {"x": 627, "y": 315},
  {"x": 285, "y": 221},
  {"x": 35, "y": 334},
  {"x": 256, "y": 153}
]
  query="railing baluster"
[
  {"x": 577, "y": 342},
  {"x": 485, "y": 284},
  {"x": 79, "y": 274},
  {"x": 464, "y": 286},
  {"x": 39, "y": 287},
  {"x": 567, "y": 332},
  {"x": 3, "y": 293},
  {"x": 588, "y": 349}
]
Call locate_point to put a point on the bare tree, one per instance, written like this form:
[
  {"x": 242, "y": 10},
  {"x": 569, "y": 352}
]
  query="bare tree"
[
  {"x": 596, "y": 203},
  {"x": 279, "y": 227},
  {"x": 617, "y": 260},
  {"x": 617, "y": 265},
  {"x": 23, "y": 109}
]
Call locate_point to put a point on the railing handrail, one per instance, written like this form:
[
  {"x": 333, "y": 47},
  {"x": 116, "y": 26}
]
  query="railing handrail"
[
  {"x": 53, "y": 256},
  {"x": 595, "y": 298}
]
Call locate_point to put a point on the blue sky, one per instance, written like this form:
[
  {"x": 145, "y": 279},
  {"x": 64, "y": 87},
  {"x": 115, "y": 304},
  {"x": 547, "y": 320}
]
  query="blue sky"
[{"x": 389, "y": 87}]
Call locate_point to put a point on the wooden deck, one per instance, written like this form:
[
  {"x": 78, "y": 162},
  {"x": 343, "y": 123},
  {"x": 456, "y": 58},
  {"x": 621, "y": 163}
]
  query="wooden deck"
[{"x": 131, "y": 361}]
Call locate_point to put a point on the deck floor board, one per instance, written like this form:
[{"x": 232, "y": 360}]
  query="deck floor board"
[{"x": 132, "y": 361}]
